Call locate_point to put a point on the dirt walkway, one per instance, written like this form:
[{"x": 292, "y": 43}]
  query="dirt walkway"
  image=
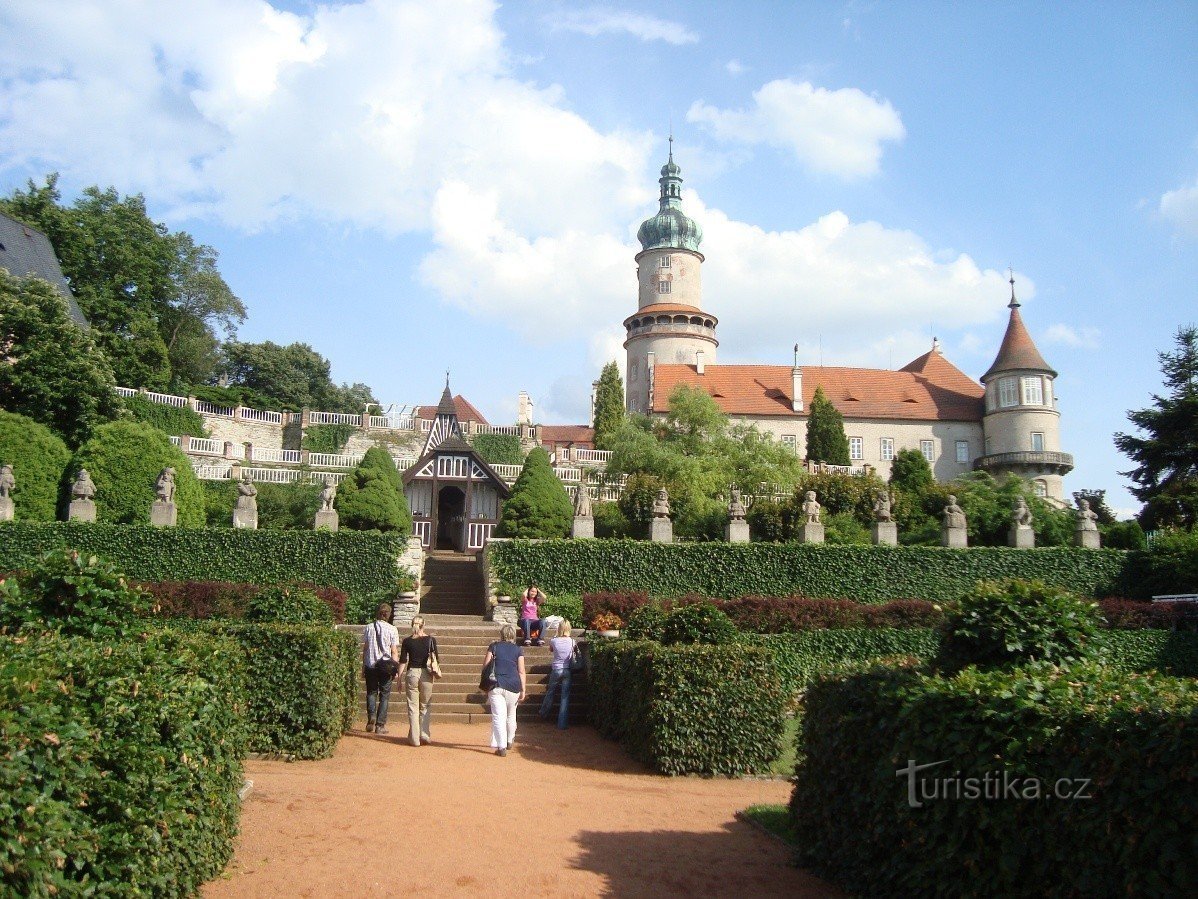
[{"x": 564, "y": 814}]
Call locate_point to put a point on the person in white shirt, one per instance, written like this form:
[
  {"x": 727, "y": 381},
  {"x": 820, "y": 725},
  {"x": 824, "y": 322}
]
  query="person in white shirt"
[{"x": 380, "y": 662}]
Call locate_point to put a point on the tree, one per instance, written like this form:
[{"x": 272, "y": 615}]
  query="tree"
[
  {"x": 38, "y": 458},
  {"x": 1166, "y": 472},
  {"x": 609, "y": 405},
  {"x": 50, "y": 370},
  {"x": 124, "y": 459},
  {"x": 910, "y": 471},
  {"x": 291, "y": 377},
  {"x": 372, "y": 497},
  {"x": 826, "y": 441},
  {"x": 539, "y": 505}
]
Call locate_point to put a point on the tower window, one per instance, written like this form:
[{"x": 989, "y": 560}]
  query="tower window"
[
  {"x": 856, "y": 448},
  {"x": 1037, "y": 442},
  {"x": 1008, "y": 392},
  {"x": 665, "y": 261},
  {"x": 663, "y": 286},
  {"x": 928, "y": 449},
  {"x": 1033, "y": 392},
  {"x": 962, "y": 450},
  {"x": 887, "y": 449}
]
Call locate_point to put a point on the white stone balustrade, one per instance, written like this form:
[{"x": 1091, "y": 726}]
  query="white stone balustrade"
[
  {"x": 334, "y": 460},
  {"x": 269, "y": 454}
]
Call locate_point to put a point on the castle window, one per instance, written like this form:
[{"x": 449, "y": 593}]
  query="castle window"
[
  {"x": 1041, "y": 489},
  {"x": 663, "y": 286},
  {"x": 856, "y": 448},
  {"x": 1037, "y": 442},
  {"x": 1008, "y": 392},
  {"x": 1033, "y": 392},
  {"x": 665, "y": 261},
  {"x": 962, "y": 450},
  {"x": 928, "y": 449},
  {"x": 791, "y": 443},
  {"x": 887, "y": 449}
]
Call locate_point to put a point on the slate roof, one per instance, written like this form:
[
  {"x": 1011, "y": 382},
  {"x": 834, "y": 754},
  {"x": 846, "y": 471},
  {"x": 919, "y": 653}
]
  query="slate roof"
[
  {"x": 930, "y": 388},
  {"x": 464, "y": 408},
  {"x": 26, "y": 251},
  {"x": 1018, "y": 351}
]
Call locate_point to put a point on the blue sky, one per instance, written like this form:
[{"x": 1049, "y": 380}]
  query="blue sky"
[{"x": 411, "y": 187}]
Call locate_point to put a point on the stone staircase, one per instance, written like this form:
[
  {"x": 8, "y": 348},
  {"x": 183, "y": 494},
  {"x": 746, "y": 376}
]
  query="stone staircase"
[
  {"x": 462, "y": 642},
  {"x": 452, "y": 586}
]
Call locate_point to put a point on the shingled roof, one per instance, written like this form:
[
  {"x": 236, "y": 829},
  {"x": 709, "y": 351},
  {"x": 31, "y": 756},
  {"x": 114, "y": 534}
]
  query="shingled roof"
[
  {"x": 930, "y": 388},
  {"x": 568, "y": 434},
  {"x": 1017, "y": 352},
  {"x": 26, "y": 251}
]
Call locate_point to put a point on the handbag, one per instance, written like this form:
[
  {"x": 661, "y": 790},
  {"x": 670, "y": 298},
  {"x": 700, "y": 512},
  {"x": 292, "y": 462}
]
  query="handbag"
[
  {"x": 577, "y": 662},
  {"x": 434, "y": 667},
  {"x": 384, "y": 666},
  {"x": 488, "y": 681}
]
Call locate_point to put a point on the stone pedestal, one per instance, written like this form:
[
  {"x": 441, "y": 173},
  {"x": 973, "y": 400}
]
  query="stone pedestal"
[
  {"x": 82, "y": 510},
  {"x": 327, "y": 521},
  {"x": 737, "y": 531},
  {"x": 583, "y": 528},
  {"x": 884, "y": 533},
  {"x": 505, "y": 612},
  {"x": 405, "y": 607},
  {"x": 163, "y": 515},
  {"x": 1087, "y": 539},
  {"x": 661, "y": 530},
  {"x": 245, "y": 518},
  {"x": 954, "y": 537},
  {"x": 1021, "y": 537},
  {"x": 811, "y": 532},
  {"x": 6, "y": 508}
]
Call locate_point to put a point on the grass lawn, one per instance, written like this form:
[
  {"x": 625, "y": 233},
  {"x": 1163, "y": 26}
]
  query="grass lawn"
[
  {"x": 785, "y": 763},
  {"x": 775, "y": 819}
]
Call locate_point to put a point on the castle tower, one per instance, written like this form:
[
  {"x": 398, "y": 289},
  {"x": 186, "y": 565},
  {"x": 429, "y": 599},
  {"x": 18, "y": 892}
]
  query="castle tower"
[
  {"x": 1021, "y": 423},
  {"x": 669, "y": 324}
]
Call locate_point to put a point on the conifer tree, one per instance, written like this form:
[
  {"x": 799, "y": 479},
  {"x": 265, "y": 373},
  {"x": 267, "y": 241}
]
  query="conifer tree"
[
  {"x": 609, "y": 405},
  {"x": 372, "y": 497},
  {"x": 826, "y": 441},
  {"x": 539, "y": 505}
]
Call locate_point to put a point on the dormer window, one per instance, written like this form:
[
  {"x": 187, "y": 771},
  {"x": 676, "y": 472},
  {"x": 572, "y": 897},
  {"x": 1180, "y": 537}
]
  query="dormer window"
[
  {"x": 665, "y": 261},
  {"x": 1008, "y": 392}
]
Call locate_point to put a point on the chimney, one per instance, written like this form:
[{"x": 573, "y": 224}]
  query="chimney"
[
  {"x": 524, "y": 415},
  {"x": 594, "y": 398},
  {"x": 699, "y": 361},
  {"x": 796, "y": 384}
]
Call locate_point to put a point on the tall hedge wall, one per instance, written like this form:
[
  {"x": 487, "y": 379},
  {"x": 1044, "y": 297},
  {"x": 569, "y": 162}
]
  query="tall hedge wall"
[
  {"x": 354, "y": 562},
  {"x": 865, "y": 573}
]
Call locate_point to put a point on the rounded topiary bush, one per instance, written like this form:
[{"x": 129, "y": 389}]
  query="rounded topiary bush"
[
  {"x": 698, "y": 623},
  {"x": 38, "y": 458},
  {"x": 124, "y": 459},
  {"x": 539, "y": 505},
  {"x": 646, "y": 623},
  {"x": 1008, "y": 623},
  {"x": 290, "y": 605}
]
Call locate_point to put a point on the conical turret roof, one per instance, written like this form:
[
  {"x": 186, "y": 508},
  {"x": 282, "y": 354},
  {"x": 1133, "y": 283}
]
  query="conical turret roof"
[{"x": 1018, "y": 351}]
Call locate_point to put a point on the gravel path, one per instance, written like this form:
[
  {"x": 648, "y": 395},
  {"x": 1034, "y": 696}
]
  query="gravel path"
[{"x": 564, "y": 814}]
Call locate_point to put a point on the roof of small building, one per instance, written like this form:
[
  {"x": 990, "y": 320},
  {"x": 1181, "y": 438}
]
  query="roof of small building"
[
  {"x": 576, "y": 434},
  {"x": 465, "y": 410},
  {"x": 1018, "y": 350},
  {"x": 24, "y": 250},
  {"x": 930, "y": 388}
]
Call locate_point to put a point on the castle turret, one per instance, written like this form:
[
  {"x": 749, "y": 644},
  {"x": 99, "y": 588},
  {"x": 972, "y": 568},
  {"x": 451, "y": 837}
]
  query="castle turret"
[
  {"x": 1021, "y": 424},
  {"x": 669, "y": 324}
]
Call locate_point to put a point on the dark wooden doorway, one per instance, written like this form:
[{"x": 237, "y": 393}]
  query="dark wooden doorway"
[{"x": 451, "y": 518}]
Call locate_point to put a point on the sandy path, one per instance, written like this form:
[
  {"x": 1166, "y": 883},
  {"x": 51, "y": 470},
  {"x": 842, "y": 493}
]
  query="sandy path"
[{"x": 564, "y": 814}]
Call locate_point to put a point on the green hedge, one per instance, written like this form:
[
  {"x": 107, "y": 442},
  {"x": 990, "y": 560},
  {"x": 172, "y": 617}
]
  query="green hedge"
[
  {"x": 1169, "y": 652},
  {"x": 353, "y": 562},
  {"x": 173, "y": 420},
  {"x": 1129, "y": 740},
  {"x": 804, "y": 657},
  {"x": 865, "y": 573},
  {"x": 689, "y": 709},
  {"x": 121, "y": 763}
]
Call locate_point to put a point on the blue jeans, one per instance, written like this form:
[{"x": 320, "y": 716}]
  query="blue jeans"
[
  {"x": 563, "y": 678},
  {"x": 526, "y": 624},
  {"x": 378, "y": 692}
]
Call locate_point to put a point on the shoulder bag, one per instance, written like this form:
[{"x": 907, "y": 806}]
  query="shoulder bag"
[
  {"x": 384, "y": 666},
  {"x": 577, "y": 663},
  {"x": 488, "y": 681},
  {"x": 434, "y": 667}
]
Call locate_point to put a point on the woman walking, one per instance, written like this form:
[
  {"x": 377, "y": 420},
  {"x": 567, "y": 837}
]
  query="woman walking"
[
  {"x": 509, "y": 690},
  {"x": 415, "y": 666},
  {"x": 560, "y": 674}
]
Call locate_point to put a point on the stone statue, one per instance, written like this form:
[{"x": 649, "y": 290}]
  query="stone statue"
[
  {"x": 327, "y": 495},
  {"x": 165, "y": 485},
  {"x": 1087, "y": 520},
  {"x": 736, "y": 509},
  {"x": 247, "y": 495},
  {"x": 882, "y": 503},
  {"x": 811, "y": 507},
  {"x": 1021, "y": 515},
  {"x": 8, "y": 481},
  {"x": 954, "y": 515},
  {"x": 83, "y": 488},
  {"x": 661, "y": 507},
  {"x": 582, "y": 502}
]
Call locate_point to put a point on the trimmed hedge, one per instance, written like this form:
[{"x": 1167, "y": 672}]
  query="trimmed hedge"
[
  {"x": 1128, "y": 740},
  {"x": 865, "y": 573},
  {"x": 353, "y": 562},
  {"x": 689, "y": 709},
  {"x": 221, "y": 599},
  {"x": 802, "y": 658},
  {"x": 121, "y": 763},
  {"x": 173, "y": 420},
  {"x": 38, "y": 457},
  {"x": 1170, "y": 652}
]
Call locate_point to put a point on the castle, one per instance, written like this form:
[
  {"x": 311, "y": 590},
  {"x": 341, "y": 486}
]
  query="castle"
[{"x": 1007, "y": 423}]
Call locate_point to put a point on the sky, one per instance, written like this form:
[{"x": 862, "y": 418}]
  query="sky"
[{"x": 415, "y": 187}]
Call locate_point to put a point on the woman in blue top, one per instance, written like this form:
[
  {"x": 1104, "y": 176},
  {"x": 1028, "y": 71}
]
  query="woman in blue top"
[{"x": 509, "y": 690}]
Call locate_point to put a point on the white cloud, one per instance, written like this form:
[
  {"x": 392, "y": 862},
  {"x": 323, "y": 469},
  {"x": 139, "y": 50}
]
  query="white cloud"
[
  {"x": 734, "y": 67},
  {"x": 1181, "y": 208},
  {"x": 1067, "y": 335},
  {"x": 599, "y": 20},
  {"x": 838, "y": 132}
]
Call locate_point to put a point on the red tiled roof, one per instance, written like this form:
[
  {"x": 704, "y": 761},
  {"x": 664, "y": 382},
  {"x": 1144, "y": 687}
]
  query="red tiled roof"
[
  {"x": 1017, "y": 350},
  {"x": 576, "y": 434},
  {"x": 667, "y": 307},
  {"x": 464, "y": 408},
  {"x": 928, "y": 389}
]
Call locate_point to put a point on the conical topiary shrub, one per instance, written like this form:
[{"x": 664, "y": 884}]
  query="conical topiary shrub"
[
  {"x": 372, "y": 497},
  {"x": 539, "y": 505}
]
